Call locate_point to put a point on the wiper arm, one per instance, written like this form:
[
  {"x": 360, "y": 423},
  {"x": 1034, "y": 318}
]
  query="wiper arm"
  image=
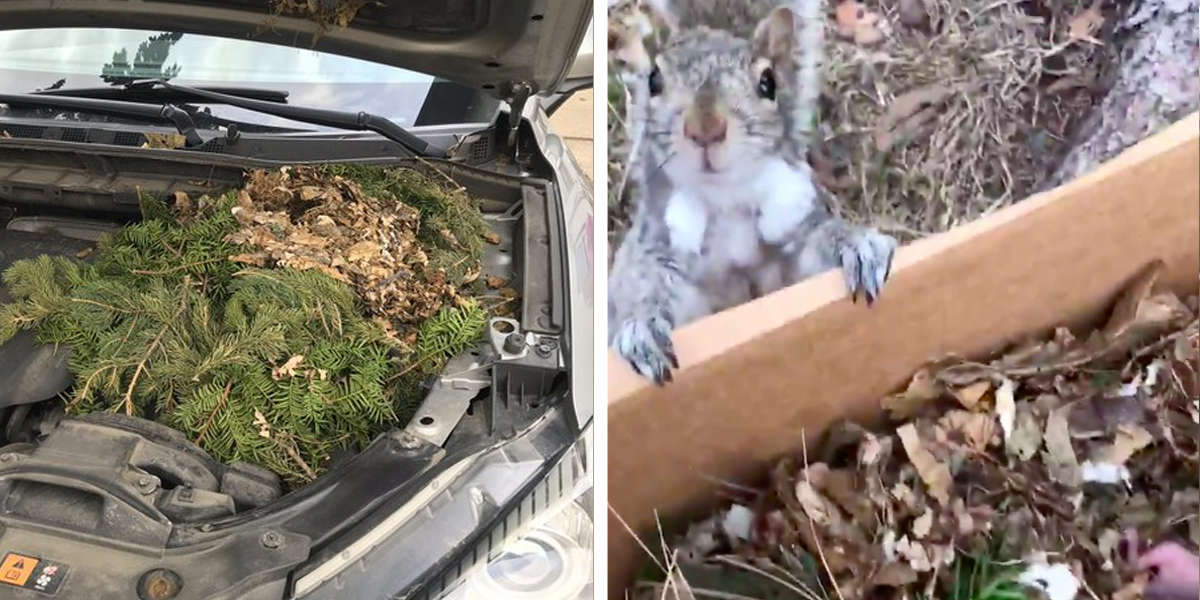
[
  {"x": 160, "y": 95},
  {"x": 164, "y": 112},
  {"x": 361, "y": 121}
]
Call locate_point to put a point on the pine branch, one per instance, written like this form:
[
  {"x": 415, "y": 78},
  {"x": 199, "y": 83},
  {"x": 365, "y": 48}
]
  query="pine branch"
[
  {"x": 153, "y": 345},
  {"x": 213, "y": 415},
  {"x": 183, "y": 267}
]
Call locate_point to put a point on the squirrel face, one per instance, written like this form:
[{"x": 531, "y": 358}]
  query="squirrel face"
[{"x": 714, "y": 106}]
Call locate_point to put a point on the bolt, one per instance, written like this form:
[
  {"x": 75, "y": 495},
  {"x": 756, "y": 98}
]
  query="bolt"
[
  {"x": 407, "y": 440},
  {"x": 159, "y": 584},
  {"x": 271, "y": 539},
  {"x": 6, "y": 457},
  {"x": 514, "y": 343},
  {"x": 144, "y": 481},
  {"x": 206, "y": 527}
]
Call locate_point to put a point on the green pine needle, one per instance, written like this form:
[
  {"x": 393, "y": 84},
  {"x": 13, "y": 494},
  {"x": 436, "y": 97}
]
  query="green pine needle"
[{"x": 163, "y": 326}]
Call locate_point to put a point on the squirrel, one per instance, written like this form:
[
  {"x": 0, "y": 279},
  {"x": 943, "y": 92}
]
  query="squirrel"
[{"x": 728, "y": 207}]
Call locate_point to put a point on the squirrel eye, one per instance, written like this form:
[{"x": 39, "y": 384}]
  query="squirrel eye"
[
  {"x": 766, "y": 84},
  {"x": 656, "y": 82}
]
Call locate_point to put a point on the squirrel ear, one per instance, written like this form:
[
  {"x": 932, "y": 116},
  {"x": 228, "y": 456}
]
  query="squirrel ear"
[{"x": 775, "y": 36}]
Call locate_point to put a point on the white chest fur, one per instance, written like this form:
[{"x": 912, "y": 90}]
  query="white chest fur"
[{"x": 733, "y": 220}]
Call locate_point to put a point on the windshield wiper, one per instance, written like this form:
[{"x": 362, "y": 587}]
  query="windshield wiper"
[
  {"x": 159, "y": 95},
  {"x": 361, "y": 121},
  {"x": 163, "y": 112}
]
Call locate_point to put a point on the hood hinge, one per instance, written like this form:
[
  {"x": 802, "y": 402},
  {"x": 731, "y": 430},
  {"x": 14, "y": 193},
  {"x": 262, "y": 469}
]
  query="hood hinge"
[{"x": 518, "y": 94}]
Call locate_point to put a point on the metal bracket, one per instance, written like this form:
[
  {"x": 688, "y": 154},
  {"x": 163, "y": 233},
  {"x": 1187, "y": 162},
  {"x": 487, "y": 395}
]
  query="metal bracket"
[{"x": 462, "y": 379}]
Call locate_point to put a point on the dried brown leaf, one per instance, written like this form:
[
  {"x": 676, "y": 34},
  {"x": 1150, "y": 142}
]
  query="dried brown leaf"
[
  {"x": 970, "y": 395},
  {"x": 264, "y": 428},
  {"x": 1129, "y": 440},
  {"x": 1026, "y": 437},
  {"x": 935, "y": 474},
  {"x": 974, "y": 429},
  {"x": 168, "y": 141},
  {"x": 922, "y": 524},
  {"x": 1059, "y": 456},
  {"x": 816, "y": 506},
  {"x": 491, "y": 237},
  {"x": 287, "y": 369},
  {"x": 362, "y": 251},
  {"x": 921, "y": 390},
  {"x": 302, "y": 237}
]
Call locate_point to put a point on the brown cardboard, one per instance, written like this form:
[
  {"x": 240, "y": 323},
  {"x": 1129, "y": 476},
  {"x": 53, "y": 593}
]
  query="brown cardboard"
[{"x": 754, "y": 377}]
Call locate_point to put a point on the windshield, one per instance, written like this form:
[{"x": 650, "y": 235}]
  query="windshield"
[{"x": 73, "y": 58}]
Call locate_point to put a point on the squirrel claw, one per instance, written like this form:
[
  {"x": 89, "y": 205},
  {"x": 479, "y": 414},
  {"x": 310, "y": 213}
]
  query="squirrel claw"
[
  {"x": 646, "y": 345},
  {"x": 867, "y": 263}
]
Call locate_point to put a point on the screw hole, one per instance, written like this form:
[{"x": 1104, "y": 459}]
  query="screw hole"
[
  {"x": 503, "y": 326},
  {"x": 427, "y": 420},
  {"x": 536, "y": 17},
  {"x": 488, "y": 86},
  {"x": 491, "y": 65}
]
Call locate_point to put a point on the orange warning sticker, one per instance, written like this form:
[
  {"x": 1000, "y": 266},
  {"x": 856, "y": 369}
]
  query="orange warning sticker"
[{"x": 16, "y": 569}]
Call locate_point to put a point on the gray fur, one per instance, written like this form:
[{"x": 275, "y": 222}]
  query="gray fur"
[{"x": 658, "y": 282}]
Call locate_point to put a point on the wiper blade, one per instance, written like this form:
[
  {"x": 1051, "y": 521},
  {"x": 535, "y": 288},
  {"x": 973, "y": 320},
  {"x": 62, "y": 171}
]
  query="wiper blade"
[
  {"x": 163, "y": 112},
  {"x": 361, "y": 121},
  {"x": 160, "y": 95}
]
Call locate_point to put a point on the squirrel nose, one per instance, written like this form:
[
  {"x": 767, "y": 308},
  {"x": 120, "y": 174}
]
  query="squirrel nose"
[{"x": 705, "y": 129}]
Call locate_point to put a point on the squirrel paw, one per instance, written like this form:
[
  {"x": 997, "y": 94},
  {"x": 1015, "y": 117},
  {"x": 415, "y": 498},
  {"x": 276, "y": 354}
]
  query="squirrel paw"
[
  {"x": 867, "y": 263},
  {"x": 646, "y": 344}
]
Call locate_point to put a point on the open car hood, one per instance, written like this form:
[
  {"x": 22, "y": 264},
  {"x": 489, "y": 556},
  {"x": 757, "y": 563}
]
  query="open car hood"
[{"x": 497, "y": 45}]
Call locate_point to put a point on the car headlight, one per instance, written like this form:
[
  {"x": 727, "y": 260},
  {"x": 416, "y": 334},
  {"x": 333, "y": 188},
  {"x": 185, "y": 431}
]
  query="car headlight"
[
  {"x": 551, "y": 561},
  {"x": 509, "y": 522}
]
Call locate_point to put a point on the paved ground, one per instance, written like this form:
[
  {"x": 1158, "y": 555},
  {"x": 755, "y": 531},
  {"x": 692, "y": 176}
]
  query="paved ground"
[{"x": 573, "y": 121}]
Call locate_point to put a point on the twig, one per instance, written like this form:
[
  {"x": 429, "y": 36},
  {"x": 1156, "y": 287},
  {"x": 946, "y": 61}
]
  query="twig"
[
  {"x": 803, "y": 593},
  {"x": 100, "y": 304},
  {"x": 154, "y": 344},
  {"x": 457, "y": 187},
  {"x": 290, "y": 448},
  {"x": 817, "y": 539},
  {"x": 700, "y": 592},
  {"x": 213, "y": 415},
  {"x": 637, "y": 539}
]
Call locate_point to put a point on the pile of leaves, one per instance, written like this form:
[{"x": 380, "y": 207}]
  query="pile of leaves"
[
  {"x": 404, "y": 248},
  {"x": 1016, "y": 478},
  {"x": 279, "y": 364},
  {"x": 936, "y": 112}
]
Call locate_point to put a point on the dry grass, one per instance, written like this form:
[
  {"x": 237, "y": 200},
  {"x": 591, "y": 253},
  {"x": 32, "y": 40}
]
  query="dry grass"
[
  {"x": 1000, "y": 129},
  {"x": 1014, "y": 86}
]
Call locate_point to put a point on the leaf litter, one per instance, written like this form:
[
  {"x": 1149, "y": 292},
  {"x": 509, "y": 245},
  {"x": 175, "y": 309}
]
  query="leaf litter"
[
  {"x": 1030, "y": 475},
  {"x": 314, "y": 218}
]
